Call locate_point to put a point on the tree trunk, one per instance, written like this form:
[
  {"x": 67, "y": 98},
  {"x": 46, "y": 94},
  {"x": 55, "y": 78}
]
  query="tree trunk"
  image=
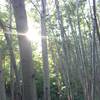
[
  {"x": 45, "y": 52},
  {"x": 95, "y": 20},
  {"x": 13, "y": 64},
  {"x": 12, "y": 80},
  {"x": 27, "y": 69},
  {"x": 95, "y": 29},
  {"x": 82, "y": 53},
  {"x": 20, "y": 15},
  {"x": 64, "y": 49},
  {"x": 29, "y": 88},
  {"x": 2, "y": 86}
]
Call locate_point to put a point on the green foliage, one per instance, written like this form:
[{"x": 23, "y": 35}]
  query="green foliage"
[{"x": 68, "y": 7}]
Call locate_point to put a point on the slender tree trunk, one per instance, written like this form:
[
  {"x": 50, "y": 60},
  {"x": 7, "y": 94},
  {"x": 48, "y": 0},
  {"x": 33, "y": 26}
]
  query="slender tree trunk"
[
  {"x": 82, "y": 52},
  {"x": 13, "y": 64},
  {"x": 78, "y": 52},
  {"x": 65, "y": 52},
  {"x": 44, "y": 52},
  {"x": 12, "y": 80},
  {"x": 93, "y": 53},
  {"x": 2, "y": 86},
  {"x": 13, "y": 61},
  {"x": 95, "y": 20},
  {"x": 12, "y": 56}
]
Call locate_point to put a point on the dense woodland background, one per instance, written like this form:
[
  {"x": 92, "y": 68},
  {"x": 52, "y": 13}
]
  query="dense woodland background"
[{"x": 50, "y": 50}]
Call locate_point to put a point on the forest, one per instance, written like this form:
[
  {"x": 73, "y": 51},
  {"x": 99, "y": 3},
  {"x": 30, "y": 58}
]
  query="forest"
[{"x": 49, "y": 49}]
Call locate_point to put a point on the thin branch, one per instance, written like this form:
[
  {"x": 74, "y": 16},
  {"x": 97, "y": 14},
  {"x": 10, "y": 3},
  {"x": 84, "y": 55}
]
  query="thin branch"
[
  {"x": 10, "y": 27},
  {"x": 95, "y": 20},
  {"x": 35, "y": 7}
]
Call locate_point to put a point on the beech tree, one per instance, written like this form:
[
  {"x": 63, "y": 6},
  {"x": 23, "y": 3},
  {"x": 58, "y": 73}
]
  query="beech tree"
[{"x": 29, "y": 91}]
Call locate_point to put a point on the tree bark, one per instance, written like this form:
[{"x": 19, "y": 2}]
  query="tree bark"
[
  {"x": 95, "y": 20},
  {"x": 45, "y": 52},
  {"x": 13, "y": 64},
  {"x": 20, "y": 15},
  {"x": 2, "y": 86},
  {"x": 29, "y": 88}
]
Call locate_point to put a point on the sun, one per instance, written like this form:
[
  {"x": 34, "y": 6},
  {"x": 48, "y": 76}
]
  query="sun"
[{"x": 33, "y": 33}]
